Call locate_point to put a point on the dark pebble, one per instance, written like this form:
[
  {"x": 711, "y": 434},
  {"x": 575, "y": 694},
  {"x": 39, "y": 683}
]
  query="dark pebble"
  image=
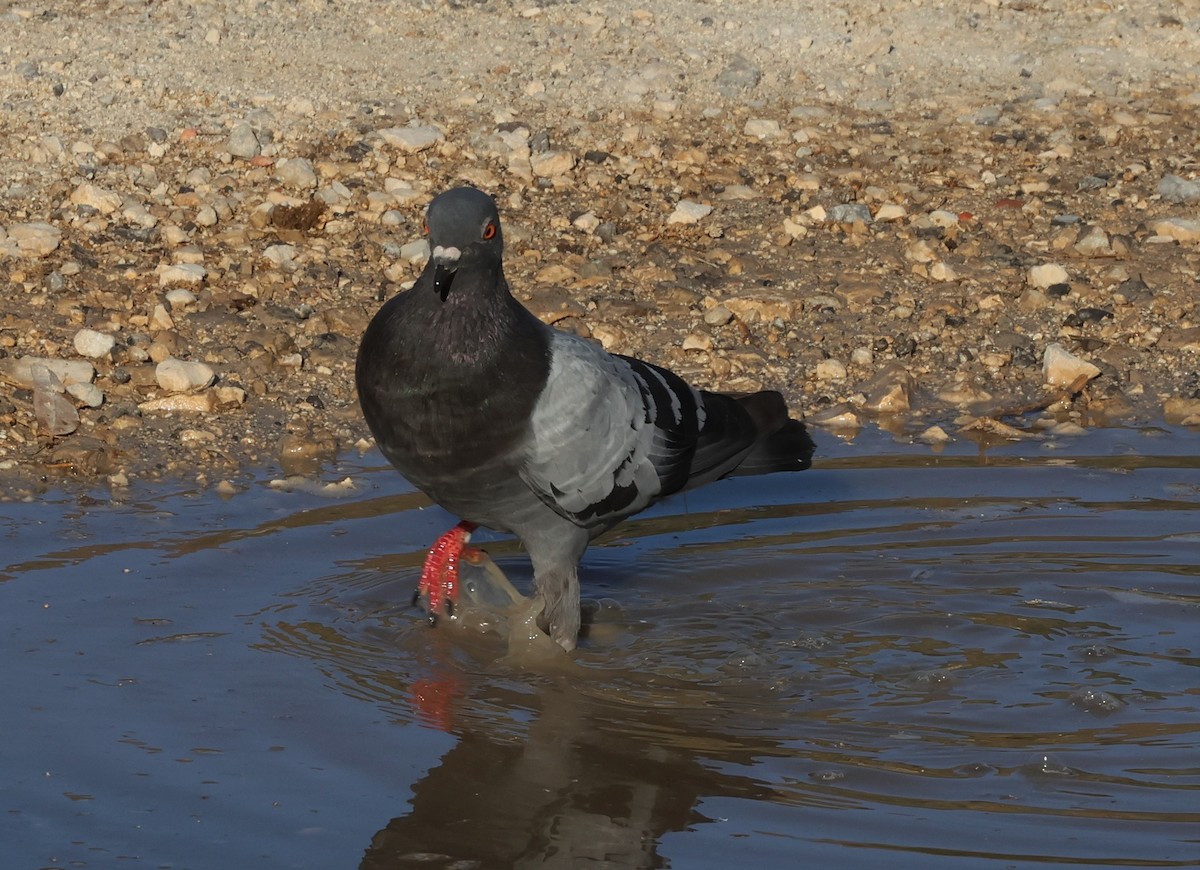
[
  {"x": 1058, "y": 291},
  {"x": 1087, "y": 315}
]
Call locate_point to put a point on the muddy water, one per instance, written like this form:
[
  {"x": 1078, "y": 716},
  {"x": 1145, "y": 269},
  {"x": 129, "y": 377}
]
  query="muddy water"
[{"x": 899, "y": 659}]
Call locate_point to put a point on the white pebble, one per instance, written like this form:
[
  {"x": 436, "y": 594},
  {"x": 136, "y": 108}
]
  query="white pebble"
[
  {"x": 689, "y": 212},
  {"x": 35, "y": 239},
  {"x": 551, "y": 164},
  {"x": 1047, "y": 275},
  {"x": 587, "y": 222},
  {"x": 411, "y": 139},
  {"x": 762, "y": 128},
  {"x": 297, "y": 173},
  {"x": 415, "y": 252},
  {"x": 181, "y": 376},
  {"x": 87, "y": 394},
  {"x": 830, "y": 370},
  {"x": 91, "y": 196},
  {"x": 280, "y": 256},
  {"x": 180, "y": 297},
  {"x": 243, "y": 142},
  {"x": 181, "y": 273},
  {"x": 68, "y": 371},
  {"x": 1060, "y": 367},
  {"x": 93, "y": 344}
]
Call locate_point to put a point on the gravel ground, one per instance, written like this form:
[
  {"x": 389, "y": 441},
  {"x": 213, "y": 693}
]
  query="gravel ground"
[{"x": 950, "y": 219}]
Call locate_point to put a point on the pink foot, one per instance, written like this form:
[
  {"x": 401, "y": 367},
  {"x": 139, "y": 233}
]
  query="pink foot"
[{"x": 439, "y": 577}]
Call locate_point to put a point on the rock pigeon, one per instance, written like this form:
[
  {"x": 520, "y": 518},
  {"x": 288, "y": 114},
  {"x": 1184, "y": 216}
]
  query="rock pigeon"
[{"x": 512, "y": 424}]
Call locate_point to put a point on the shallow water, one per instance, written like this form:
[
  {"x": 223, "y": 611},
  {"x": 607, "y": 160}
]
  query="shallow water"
[{"x": 897, "y": 659}]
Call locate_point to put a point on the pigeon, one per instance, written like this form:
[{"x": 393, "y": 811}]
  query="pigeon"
[{"x": 512, "y": 424}]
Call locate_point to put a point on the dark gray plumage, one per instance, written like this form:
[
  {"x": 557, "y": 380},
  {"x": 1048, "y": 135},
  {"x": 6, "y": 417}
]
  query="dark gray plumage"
[{"x": 520, "y": 427}]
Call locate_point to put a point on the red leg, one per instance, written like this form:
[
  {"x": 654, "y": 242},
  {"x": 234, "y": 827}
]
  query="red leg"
[{"x": 439, "y": 577}]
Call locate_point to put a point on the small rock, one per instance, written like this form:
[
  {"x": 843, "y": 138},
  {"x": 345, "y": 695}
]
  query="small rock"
[
  {"x": 1047, "y": 275},
  {"x": 762, "y": 128},
  {"x": 297, "y": 173},
  {"x": 942, "y": 271},
  {"x": 85, "y": 454},
  {"x": 830, "y": 370},
  {"x": 20, "y": 370},
  {"x": 586, "y": 222},
  {"x": 243, "y": 142},
  {"x": 839, "y": 416},
  {"x": 230, "y": 395},
  {"x": 698, "y": 341},
  {"x": 415, "y": 252},
  {"x": 181, "y": 376},
  {"x": 764, "y": 309},
  {"x": 181, "y": 273},
  {"x": 1178, "y": 190},
  {"x": 934, "y": 435},
  {"x": 1060, "y": 368},
  {"x": 53, "y": 412},
  {"x": 735, "y": 192},
  {"x": 35, "y": 239},
  {"x": 551, "y": 164},
  {"x": 689, "y": 212},
  {"x": 1179, "y": 229},
  {"x": 280, "y": 256},
  {"x": 180, "y": 297},
  {"x": 91, "y": 196},
  {"x": 411, "y": 139},
  {"x": 160, "y": 321},
  {"x": 1032, "y": 300},
  {"x": 186, "y": 403},
  {"x": 850, "y": 213},
  {"x": 740, "y": 75},
  {"x": 889, "y": 391},
  {"x": 1094, "y": 242},
  {"x": 862, "y": 356},
  {"x": 87, "y": 394},
  {"x": 718, "y": 315},
  {"x": 93, "y": 344},
  {"x": 942, "y": 218},
  {"x": 890, "y": 211},
  {"x": 1182, "y": 411}
]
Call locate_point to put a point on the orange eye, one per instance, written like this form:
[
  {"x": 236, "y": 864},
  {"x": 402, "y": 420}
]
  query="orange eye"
[{"x": 489, "y": 232}]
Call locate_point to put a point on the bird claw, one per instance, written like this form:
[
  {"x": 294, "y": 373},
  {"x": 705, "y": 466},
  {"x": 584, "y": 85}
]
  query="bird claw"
[{"x": 439, "y": 576}]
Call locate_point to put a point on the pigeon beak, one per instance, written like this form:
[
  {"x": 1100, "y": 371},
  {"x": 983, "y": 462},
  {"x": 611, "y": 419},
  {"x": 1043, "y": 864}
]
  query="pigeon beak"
[
  {"x": 445, "y": 265},
  {"x": 443, "y": 277}
]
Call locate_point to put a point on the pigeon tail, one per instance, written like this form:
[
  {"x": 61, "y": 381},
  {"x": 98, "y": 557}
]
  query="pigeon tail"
[
  {"x": 783, "y": 443},
  {"x": 788, "y": 448}
]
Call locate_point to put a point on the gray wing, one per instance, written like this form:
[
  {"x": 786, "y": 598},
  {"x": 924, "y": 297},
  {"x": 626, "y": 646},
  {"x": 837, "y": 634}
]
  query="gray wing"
[{"x": 608, "y": 434}]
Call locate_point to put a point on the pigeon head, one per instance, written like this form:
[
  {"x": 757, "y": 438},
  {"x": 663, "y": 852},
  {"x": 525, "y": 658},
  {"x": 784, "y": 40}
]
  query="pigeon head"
[{"x": 463, "y": 226}]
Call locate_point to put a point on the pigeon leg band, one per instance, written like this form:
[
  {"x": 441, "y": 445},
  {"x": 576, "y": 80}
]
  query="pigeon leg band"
[{"x": 439, "y": 576}]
